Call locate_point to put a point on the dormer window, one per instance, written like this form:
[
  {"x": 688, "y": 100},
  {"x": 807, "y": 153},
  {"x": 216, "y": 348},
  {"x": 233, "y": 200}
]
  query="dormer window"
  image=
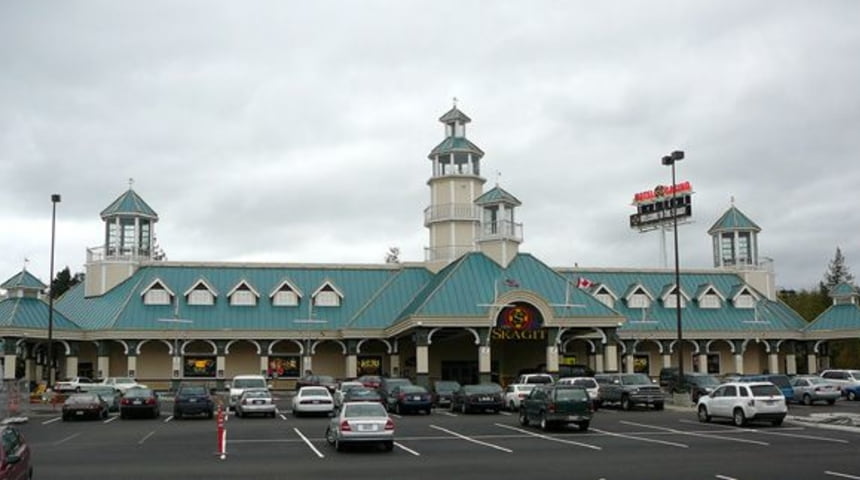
[
  {"x": 285, "y": 295},
  {"x": 605, "y": 297},
  {"x": 744, "y": 300},
  {"x": 709, "y": 300},
  {"x": 671, "y": 300},
  {"x": 327, "y": 296},
  {"x": 201, "y": 294},
  {"x": 157, "y": 294},
  {"x": 639, "y": 300},
  {"x": 243, "y": 295}
]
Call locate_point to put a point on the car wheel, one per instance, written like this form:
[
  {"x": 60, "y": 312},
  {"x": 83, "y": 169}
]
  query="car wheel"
[
  {"x": 104, "y": 414},
  {"x": 832, "y": 401},
  {"x": 703, "y": 414},
  {"x": 776, "y": 422},
  {"x": 658, "y": 406},
  {"x": 397, "y": 409},
  {"x": 463, "y": 408},
  {"x": 239, "y": 413},
  {"x": 852, "y": 396},
  {"x": 338, "y": 445},
  {"x": 177, "y": 414},
  {"x": 738, "y": 417},
  {"x": 544, "y": 425},
  {"x": 512, "y": 407},
  {"x": 65, "y": 418},
  {"x": 625, "y": 403},
  {"x": 583, "y": 426},
  {"x": 807, "y": 399},
  {"x": 329, "y": 435},
  {"x": 388, "y": 446},
  {"x": 524, "y": 419}
]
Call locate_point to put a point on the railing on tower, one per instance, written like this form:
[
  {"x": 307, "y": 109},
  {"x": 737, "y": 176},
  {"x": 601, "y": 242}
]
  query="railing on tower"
[
  {"x": 451, "y": 211},
  {"x": 502, "y": 230},
  {"x": 100, "y": 253},
  {"x": 448, "y": 252}
]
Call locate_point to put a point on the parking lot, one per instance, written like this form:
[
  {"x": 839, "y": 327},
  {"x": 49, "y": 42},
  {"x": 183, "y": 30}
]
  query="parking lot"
[{"x": 638, "y": 444}]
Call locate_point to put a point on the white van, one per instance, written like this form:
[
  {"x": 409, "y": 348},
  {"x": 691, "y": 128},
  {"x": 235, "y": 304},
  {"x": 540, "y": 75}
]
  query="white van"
[{"x": 241, "y": 383}]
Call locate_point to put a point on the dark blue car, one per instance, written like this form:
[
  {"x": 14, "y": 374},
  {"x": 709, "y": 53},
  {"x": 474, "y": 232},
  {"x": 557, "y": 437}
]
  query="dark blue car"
[{"x": 782, "y": 382}]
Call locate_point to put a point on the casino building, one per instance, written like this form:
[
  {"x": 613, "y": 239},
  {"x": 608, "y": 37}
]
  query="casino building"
[{"x": 476, "y": 309}]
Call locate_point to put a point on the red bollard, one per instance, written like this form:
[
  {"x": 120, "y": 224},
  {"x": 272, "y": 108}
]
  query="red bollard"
[{"x": 222, "y": 435}]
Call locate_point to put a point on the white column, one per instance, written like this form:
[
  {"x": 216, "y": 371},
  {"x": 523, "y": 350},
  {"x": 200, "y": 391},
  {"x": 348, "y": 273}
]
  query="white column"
[
  {"x": 611, "y": 358},
  {"x": 132, "y": 366},
  {"x": 9, "y": 366},
  {"x": 791, "y": 364},
  {"x": 264, "y": 365},
  {"x": 811, "y": 363},
  {"x": 598, "y": 363},
  {"x": 667, "y": 360},
  {"x": 307, "y": 364},
  {"x": 552, "y": 358},
  {"x": 739, "y": 363},
  {"x": 628, "y": 363},
  {"x": 71, "y": 366},
  {"x": 394, "y": 365},
  {"x": 351, "y": 366},
  {"x": 773, "y": 362},
  {"x": 703, "y": 363},
  {"x": 177, "y": 366},
  {"x": 422, "y": 360},
  {"x": 103, "y": 367},
  {"x": 484, "y": 353},
  {"x": 220, "y": 366}
]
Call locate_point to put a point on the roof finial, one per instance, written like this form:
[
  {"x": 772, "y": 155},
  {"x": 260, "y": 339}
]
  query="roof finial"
[
  {"x": 455, "y": 102},
  {"x": 498, "y": 176},
  {"x": 130, "y": 182},
  {"x": 732, "y": 200},
  {"x": 26, "y": 262}
]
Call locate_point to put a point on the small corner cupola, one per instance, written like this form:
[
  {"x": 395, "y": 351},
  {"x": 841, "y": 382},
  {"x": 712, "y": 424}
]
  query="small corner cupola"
[
  {"x": 455, "y": 155},
  {"x": 23, "y": 285},
  {"x": 844, "y": 294},
  {"x": 500, "y": 235},
  {"x": 735, "y": 240},
  {"x": 129, "y": 225}
]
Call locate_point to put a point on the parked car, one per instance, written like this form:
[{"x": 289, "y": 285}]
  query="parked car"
[
  {"x": 108, "y": 393},
  {"x": 843, "y": 377},
  {"x": 629, "y": 389},
  {"x": 551, "y": 406},
  {"x": 536, "y": 378},
  {"x": 410, "y": 398},
  {"x": 370, "y": 381},
  {"x": 744, "y": 402},
  {"x": 242, "y": 382},
  {"x": 515, "y": 393},
  {"x": 342, "y": 388},
  {"x": 809, "y": 389},
  {"x": 313, "y": 400},
  {"x": 122, "y": 383},
  {"x": 73, "y": 384},
  {"x": 312, "y": 380},
  {"x": 590, "y": 385},
  {"x": 388, "y": 383},
  {"x": 192, "y": 399},
  {"x": 576, "y": 370},
  {"x": 361, "y": 423},
  {"x": 698, "y": 383},
  {"x": 782, "y": 382},
  {"x": 140, "y": 402},
  {"x": 442, "y": 390},
  {"x": 480, "y": 397},
  {"x": 256, "y": 401},
  {"x": 82, "y": 405},
  {"x": 363, "y": 394},
  {"x": 851, "y": 392},
  {"x": 15, "y": 455}
]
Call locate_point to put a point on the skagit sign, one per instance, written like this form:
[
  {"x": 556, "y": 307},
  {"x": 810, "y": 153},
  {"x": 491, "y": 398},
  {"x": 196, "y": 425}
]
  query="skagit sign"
[{"x": 661, "y": 191}]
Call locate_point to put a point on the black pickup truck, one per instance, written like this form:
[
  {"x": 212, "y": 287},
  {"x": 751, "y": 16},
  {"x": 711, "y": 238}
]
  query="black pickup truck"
[{"x": 629, "y": 389}]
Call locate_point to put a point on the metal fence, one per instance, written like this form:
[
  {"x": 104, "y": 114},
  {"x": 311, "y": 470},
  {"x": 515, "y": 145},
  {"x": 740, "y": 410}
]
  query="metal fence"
[{"x": 15, "y": 399}]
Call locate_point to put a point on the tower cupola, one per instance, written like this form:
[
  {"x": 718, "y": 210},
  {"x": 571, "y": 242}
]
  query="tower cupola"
[
  {"x": 735, "y": 239},
  {"x": 500, "y": 235}
]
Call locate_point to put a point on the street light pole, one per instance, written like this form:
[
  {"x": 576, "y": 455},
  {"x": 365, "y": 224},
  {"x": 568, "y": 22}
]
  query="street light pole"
[
  {"x": 670, "y": 160},
  {"x": 55, "y": 199}
]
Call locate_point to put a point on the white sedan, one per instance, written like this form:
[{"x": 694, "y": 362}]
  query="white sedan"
[
  {"x": 122, "y": 384},
  {"x": 313, "y": 400},
  {"x": 515, "y": 393}
]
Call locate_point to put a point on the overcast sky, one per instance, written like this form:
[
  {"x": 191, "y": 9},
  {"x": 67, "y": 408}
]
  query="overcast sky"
[{"x": 299, "y": 131}]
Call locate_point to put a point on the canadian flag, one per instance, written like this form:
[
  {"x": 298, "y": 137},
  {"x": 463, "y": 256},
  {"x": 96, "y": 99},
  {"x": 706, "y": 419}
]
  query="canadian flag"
[{"x": 584, "y": 282}]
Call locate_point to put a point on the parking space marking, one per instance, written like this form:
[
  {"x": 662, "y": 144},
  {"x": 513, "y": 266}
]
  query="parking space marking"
[
  {"x": 469, "y": 439},
  {"x": 449, "y": 413},
  {"x": 547, "y": 437},
  {"x": 110, "y": 419},
  {"x": 696, "y": 434},
  {"x": 649, "y": 440},
  {"x": 55, "y": 419},
  {"x": 146, "y": 437},
  {"x": 506, "y": 413},
  {"x": 283, "y": 417},
  {"x": 413, "y": 452},
  {"x": 168, "y": 419},
  {"x": 841, "y": 475},
  {"x": 59, "y": 442},
  {"x": 308, "y": 442},
  {"x": 781, "y": 434},
  {"x": 723, "y": 477}
]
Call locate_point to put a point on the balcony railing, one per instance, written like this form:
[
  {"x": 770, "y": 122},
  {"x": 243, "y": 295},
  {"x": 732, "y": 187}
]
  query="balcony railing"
[
  {"x": 447, "y": 253},
  {"x": 502, "y": 230},
  {"x": 98, "y": 254},
  {"x": 451, "y": 211}
]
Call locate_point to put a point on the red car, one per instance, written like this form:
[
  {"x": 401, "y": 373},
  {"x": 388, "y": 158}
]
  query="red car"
[
  {"x": 14, "y": 455},
  {"x": 370, "y": 381}
]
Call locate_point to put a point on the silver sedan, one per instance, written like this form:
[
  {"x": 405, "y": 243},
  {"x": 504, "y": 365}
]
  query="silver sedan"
[
  {"x": 361, "y": 423},
  {"x": 256, "y": 401},
  {"x": 812, "y": 388}
]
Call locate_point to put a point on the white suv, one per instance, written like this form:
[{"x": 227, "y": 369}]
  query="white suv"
[
  {"x": 589, "y": 383},
  {"x": 535, "y": 378},
  {"x": 743, "y": 402},
  {"x": 241, "y": 383},
  {"x": 843, "y": 378}
]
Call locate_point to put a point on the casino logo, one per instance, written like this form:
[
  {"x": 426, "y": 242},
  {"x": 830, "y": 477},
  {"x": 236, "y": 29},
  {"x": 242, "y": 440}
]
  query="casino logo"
[{"x": 519, "y": 317}]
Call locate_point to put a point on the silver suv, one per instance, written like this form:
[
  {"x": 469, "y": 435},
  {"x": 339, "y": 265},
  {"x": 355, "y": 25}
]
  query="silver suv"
[{"x": 628, "y": 389}]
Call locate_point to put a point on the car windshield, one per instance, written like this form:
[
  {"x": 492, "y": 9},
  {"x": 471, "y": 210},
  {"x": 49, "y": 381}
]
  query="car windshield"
[
  {"x": 102, "y": 390},
  {"x": 313, "y": 392},
  {"x": 123, "y": 381},
  {"x": 393, "y": 382},
  {"x": 765, "y": 391},
  {"x": 525, "y": 388},
  {"x": 257, "y": 394},
  {"x": 571, "y": 394},
  {"x": 636, "y": 379},
  {"x": 249, "y": 383},
  {"x": 139, "y": 393},
  {"x": 446, "y": 386},
  {"x": 362, "y": 393},
  {"x": 413, "y": 389},
  {"x": 816, "y": 380},
  {"x": 82, "y": 399},
  {"x": 364, "y": 410},
  {"x": 585, "y": 382},
  {"x": 484, "y": 388},
  {"x": 192, "y": 391},
  {"x": 779, "y": 380}
]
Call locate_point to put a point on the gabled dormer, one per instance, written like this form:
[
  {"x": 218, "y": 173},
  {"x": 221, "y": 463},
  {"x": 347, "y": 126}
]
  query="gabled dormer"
[
  {"x": 327, "y": 295},
  {"x": 23, "y": 285},
  {"x": 201, "y": 293},
  {"x": 669, "y": 297},
  {"x": 638, "y": 296},
  {"x": 708, "y": 297},
  {"x": 286, "y": 294},
  {"x": 605, "y": 295},
  {"x": 157, "y": 293},
  {"x": 744, "y": 297},
  {"x": 243, "y": 294},
  {"x": 844, "y": 294}
]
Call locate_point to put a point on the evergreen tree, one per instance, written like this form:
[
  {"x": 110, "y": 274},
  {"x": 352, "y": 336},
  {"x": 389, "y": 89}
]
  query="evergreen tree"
[
  {"x": 837, "y": 272},
  {"x": 64, "y": 281},
  {"x": 808, "y": 303}
]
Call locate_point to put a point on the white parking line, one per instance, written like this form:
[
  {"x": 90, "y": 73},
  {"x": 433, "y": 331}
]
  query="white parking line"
[
  {"x": 547, "y": 437},
  {"x": 469, "y": 439},
  {"x": 695, "y": 434},
  {"x": 723, "y": 477},
  {"x": 168, "y": 419},
  {"x": 146, "y": 437},
  {"x": 283, "y": 417},
  {"x": 308, "y": 442},
  {"x": 841, "y": 475},
  {"x": 649, "y": 440},
  {"x": 58, "y": 442},
  {"x": 506, "y": 413},
  {"x": 111, "y": 419},
  {"x": 51, "y": 420},
  {"x": 413, "y": 452},
  {"x": 449, "y": 413},
  {"x": 781, "y": 434}
]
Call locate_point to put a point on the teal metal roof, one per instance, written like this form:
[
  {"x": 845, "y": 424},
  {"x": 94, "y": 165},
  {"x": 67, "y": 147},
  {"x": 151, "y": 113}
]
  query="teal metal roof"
[
  {"x": 129, "y": 203},
  {"x": 843, "y": 289},
  {"x": 23, "y": 280},
  {"x": 455, "y": 145},
  {"x": 453, "y": 115},
  {"x": 733, "y": 220},
  {"x": 497, "y": 195},
  {"x": 837, "y": 317},
  {"x": 767, "y": 316},
  {"x": 18, "y": 312}
]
